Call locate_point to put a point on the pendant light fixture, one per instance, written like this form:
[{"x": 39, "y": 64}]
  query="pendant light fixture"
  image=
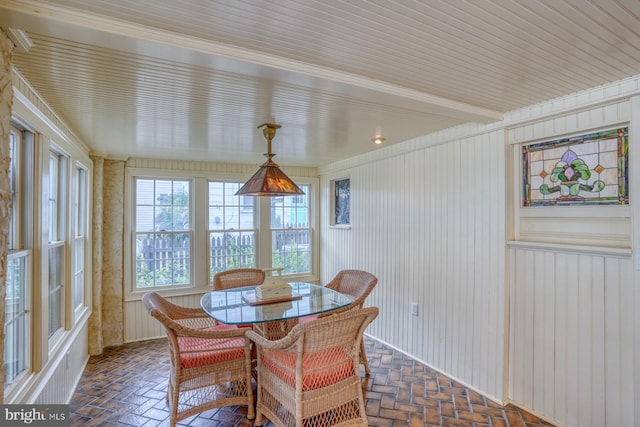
[{"x": 269, "y": 180}]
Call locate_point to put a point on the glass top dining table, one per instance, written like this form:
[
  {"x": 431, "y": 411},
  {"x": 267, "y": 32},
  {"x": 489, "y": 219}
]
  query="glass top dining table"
[{"x": 229, "y": 306}]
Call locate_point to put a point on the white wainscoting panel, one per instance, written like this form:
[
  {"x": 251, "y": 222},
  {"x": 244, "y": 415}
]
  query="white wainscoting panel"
[
  {"x": 573, "y": 122},
  {"x": 59, "y": 379},
  {"x": 603, "y": 231},
  {"x": 571, "y": 336},
  {"x": 139, "y": 325},
  {"x": 430, "y": 224}
]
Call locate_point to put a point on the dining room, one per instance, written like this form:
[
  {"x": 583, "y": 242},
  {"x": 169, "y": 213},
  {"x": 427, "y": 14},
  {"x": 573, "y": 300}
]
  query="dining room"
[{"x": 499, "y": 221}]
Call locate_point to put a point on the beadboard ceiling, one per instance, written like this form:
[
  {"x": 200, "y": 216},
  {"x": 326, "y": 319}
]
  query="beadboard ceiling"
[{"x": 192, "y": 80}]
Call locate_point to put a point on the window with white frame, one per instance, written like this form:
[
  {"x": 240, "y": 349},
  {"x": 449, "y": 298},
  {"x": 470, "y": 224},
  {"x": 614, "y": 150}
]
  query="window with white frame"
[
  {"x": 47, "y": 195},
  {"x": 15, "y": 143},
  {"x": 291, "y": 233},
  {"x": 15, "y": 137},
  {"x": 199, "y": 219},
  {"x": 57, "y": 231},
  {"x": 232, "y": 228},
  {"x": 17, "y": 326},
  {"x": 162, "y": 232},
  {"x": 79, "y": 238}
]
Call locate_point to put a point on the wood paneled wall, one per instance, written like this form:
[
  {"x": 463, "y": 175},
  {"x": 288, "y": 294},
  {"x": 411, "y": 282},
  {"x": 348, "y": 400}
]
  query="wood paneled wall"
[
  {"x": 571, "y": 349},
  {"x": 548, "y": 326},
  {"x": 139, "y": 325},
  {"x": 572, "y": 298},
  {"x": 430, "y": 224},
  {"x": 61, "y": 375}
]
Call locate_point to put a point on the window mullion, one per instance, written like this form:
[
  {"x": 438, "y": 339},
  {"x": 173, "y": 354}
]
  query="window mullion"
[
  {"x": 263, "y": 256},
  {"x": 199, "y": 259}
]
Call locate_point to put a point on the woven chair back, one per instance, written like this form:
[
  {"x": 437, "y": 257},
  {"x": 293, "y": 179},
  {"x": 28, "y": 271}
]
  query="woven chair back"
[
  {"x": 238, "y": 278},
  {"x": 358, "y": 284}
]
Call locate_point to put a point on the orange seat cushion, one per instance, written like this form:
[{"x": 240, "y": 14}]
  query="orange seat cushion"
[
  {"x": 246, "y": 325},
  {"x": 307, "y": 319},
  {"x": 338, "y": 367},
  {"x": 195, "y": 352}
]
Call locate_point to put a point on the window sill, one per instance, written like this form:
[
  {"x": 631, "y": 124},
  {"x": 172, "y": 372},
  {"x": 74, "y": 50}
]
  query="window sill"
[{"x": 341, "y": 226}]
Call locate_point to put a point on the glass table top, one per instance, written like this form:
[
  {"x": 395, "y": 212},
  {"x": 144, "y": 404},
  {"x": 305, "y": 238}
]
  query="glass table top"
[{"x": 229, "y": 307}]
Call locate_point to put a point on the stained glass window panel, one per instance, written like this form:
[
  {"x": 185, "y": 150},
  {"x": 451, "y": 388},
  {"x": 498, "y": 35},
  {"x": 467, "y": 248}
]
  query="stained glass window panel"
[{"x": 589, "y": 169}]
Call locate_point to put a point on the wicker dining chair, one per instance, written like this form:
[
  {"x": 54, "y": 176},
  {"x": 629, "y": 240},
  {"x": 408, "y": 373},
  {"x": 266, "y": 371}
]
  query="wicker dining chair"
[
  {"x": 311, "y": 376},
  {"x": 358, "y": 284},
  {"x": 237, "y": 278},
  {"x": 210, "y": 362}
]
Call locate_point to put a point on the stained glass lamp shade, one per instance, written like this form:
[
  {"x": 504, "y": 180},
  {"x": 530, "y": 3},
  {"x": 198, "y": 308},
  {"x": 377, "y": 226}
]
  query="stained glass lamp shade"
[{"x": 269, "y": 180}]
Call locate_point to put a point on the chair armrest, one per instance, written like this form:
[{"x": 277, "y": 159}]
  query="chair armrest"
[
  {"x": 211, "y": 334},
  {"x": 187, "y": 312}
]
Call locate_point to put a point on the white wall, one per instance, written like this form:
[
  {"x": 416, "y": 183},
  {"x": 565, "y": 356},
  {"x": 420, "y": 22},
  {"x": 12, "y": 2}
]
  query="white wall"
[
  {"x": 571, "y": 355},
  {"x": 430, "y": 224},
  {"x": 572, "y": 292},
  {"x": 139, "y": 325},
  {"x": 552, "y": 328}
]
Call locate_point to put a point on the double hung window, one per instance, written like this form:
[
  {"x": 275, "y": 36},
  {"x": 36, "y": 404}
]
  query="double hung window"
[
  {"x": 58, "y": 191},
  {"x": 17, "y": 348},
  {"x": 79, "y": 239},
  {"x": 232, "y": 228},
  {"x": 163, "y": 232},
  {"x": 185, "y": 230},
  {"x": 47, "y": 245},
  {"x": 291, "y": 233}
]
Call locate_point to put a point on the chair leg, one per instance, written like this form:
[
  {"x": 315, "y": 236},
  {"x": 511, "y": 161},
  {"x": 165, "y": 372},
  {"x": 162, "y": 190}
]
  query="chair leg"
[
  {"x": 251, "y": 411},
  {"x": 258, "y": 410},
  {"x": 173, "y": 397},
  {"x": 363, "y": 358}
]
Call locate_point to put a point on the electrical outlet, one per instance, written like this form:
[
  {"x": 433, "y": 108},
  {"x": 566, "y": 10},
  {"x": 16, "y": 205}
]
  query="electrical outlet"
[{"x": 414, "y": 308}]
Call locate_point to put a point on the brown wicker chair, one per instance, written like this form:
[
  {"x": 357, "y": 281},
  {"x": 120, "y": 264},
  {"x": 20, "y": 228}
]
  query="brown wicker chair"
[
  {"x": 238, "y": 278},
  {"x": 358, "y": 285},
  {"x": 310, "y": 377},
  {"x": 210, "y": 362}
]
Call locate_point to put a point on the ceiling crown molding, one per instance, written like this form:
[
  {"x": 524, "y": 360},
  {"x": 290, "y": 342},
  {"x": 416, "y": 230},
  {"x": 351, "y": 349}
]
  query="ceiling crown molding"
[{"x": 20, "y": 39}]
